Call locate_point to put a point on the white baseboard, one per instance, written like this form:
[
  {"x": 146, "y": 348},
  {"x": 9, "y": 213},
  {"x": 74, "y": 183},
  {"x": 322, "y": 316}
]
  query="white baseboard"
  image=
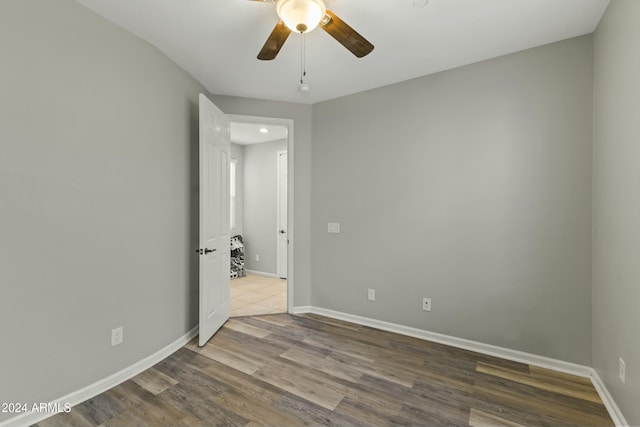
[
  {"x": 488, "y": 349},
  {"x": 100, "y": 386},
  {"x": 301, "y": 309},
  {"x": 262, "y": 273},
  {"x": 607, "y": 399}
]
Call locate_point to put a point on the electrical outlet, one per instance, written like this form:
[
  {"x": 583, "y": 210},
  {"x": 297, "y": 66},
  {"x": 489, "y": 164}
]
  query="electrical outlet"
[
  {"x": 257, "y": 257},
  {"x": 371, "y": 294},
  {"x": 333, "y": 227},
  {"x": 117, "y": 336},
  {"x": 426, "y": 304},
  {"x": 622, "y": 370}
]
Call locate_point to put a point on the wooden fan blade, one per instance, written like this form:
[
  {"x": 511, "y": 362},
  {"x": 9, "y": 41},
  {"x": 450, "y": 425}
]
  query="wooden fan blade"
[
  {"x": 274, "y": 43},
  {"x": 347, "y": 36}
]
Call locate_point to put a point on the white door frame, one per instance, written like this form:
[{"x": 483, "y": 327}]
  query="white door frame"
[
  {"x": 290, "y": 194},
  {"x": 281, "y": 272}
]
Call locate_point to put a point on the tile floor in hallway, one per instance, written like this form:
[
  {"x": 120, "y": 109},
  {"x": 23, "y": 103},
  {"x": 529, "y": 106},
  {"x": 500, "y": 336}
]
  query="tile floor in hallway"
[{"x": 253, "y": 295}]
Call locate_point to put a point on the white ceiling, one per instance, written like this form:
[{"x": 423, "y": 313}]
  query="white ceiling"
[
  {"x": 217, "y": 41},
  {"x": 249, "y": 133}
]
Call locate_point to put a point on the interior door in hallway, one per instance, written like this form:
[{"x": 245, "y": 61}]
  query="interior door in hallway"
[{"x": 214, "y": 252}]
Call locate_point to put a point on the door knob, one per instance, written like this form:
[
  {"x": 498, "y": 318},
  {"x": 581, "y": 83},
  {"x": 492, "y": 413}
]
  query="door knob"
[{"x": 207, "y": 250}]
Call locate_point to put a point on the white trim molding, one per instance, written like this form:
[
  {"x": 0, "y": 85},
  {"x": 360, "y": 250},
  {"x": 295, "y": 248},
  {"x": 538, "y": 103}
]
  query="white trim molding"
[
  {"x": 262, "y": 273},
  {"x": 290, "y": 195},
  {"x": 607, "y": 399},
  {"x": 281, "y": 252},
  {"x": 301, "y": 309},
  {"x": 488, "y": 349},
  {"x": 76, "y": 397}
]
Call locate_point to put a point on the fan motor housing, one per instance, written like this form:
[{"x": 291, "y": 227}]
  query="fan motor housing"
[{"x": 301, "y": 15}]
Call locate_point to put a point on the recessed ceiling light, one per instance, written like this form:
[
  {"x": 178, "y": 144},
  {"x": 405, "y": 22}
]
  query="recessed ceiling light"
[
  {"x": 420, "y": 3},
  {"x": 264, "y": 130}
]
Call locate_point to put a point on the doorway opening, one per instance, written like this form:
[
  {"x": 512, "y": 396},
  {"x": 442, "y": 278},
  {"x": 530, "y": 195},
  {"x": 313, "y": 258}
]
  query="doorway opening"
[{"x": 261, "y": 209}]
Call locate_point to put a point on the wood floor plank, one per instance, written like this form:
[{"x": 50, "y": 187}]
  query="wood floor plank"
[
  {"x": 534, "y": 394},
  {"x": 364, "y": 414},
  {"x": 154, "y": 381},
  {"x": 183, "y": 365},
  {"x": 310, "y": 384},
  {"x": 191, "y": 371},
  {"x": 230, "y": 358},
  {"x": 442, "y": 354},
  {"x": 100, "y": 408},
  {"x": 312, "y": 414},
  {"x": 129, "y": 394},
  {"x": 478, "y": 418},
  {"x": 252, "y": 388},
  {"x": 279, "y": 340},
  {"x": 246, "y": 344},
  {"x": 323, "y": 364},
  {"x": 368, "y": 341},
  {"x": 130, "y": 417},
  {"x": 393, "y": 374},
  {"x": 501, "y": 410},
  {"x": 450, "y": 400},
  {"x": 339, "y": 347},
  {"x": 255, "y": 411},
  {"x": 434, "y": 415},
  {"x": 262, "y": 322},
  {"x": 196, "y": 401},
  {"x": 539, "y": 405},
  {"x": 446, "y": 379},
  {"x": 66, "y": 419},
  {"x": 334, "y": 322},
  {"x": 538, "y": 382},
  {"x": 284, "y": 370},
  {"x": 560, "y": 376},
  {"x": 276, "y": 320},
  {"x": 375, "y": 394},
  {"x": 156, "y": 411},
  {"x": 240, "y": 326}
]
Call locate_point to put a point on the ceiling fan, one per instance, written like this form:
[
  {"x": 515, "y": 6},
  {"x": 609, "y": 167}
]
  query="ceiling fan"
[{"x": 303, "y": 16}]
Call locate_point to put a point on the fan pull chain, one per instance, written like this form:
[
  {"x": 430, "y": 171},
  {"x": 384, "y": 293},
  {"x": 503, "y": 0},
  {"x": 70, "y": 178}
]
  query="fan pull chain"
[{"x": 303, "y": 60}]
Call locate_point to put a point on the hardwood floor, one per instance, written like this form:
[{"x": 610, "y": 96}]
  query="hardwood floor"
[{"x": 283, "y": 370}]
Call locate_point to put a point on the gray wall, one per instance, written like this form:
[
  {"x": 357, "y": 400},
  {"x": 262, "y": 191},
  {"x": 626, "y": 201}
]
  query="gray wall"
[
  {"x": 616, "y": 206},
  {"x": 301, "y": 157},
  {"x": 98, "y": 190},
  {"x": 261, "y": 200},
  {"x": 237, "y": 152},
  {"x": 471, "y": 187}
]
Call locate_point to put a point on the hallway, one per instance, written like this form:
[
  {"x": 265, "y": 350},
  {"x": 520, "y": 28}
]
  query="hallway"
[{"x": 254, "y": 295}]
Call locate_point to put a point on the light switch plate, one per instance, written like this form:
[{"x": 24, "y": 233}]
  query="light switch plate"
[{"x": 333, "y": 227}]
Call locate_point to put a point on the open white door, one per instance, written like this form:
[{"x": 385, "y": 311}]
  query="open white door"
[
  {"x": 283, "y": 236},
  {"x": 214, "y": 250}
]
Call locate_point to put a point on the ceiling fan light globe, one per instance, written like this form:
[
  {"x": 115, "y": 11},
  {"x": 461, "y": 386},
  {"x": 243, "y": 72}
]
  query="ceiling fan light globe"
[{"x": 301, "y": 16}]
